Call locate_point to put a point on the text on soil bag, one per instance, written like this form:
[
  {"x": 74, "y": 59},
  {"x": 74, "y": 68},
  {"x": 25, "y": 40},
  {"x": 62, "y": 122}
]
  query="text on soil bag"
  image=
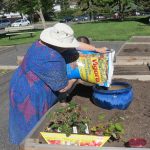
[{"x": 93, "y": 68}]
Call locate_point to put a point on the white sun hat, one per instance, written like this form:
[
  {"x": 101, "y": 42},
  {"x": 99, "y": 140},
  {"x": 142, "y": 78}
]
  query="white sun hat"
[{"x": 60, "y": 35}]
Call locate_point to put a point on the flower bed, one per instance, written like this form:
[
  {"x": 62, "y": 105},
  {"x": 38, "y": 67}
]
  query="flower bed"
[{"x": 133, "y": 122}]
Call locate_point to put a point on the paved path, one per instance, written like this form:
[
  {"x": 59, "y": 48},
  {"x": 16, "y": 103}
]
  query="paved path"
[
  {"x": 4, "y": 110},
  {"x": 8, "y": 56}
]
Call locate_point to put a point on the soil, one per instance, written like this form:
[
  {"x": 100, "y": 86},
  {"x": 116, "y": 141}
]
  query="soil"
[
  {"x": 132, "y": 70},
  {"x": 136, "y": 118},
  {"x": 140, "y": 39},
  {"x": 135, "y": 50}
]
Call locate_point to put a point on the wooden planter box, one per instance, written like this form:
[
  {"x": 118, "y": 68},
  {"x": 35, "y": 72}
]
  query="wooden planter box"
[
  {"x": 140, "y": 72},
  {"x": 134, "y": 53},
  {"x": 33, "y": 141}
]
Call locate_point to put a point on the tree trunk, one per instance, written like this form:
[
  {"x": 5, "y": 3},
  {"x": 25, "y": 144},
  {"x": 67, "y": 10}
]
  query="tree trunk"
[
  {"x": 42, "y": 18},
  {"x": 121, "y": 11},
  {"x": 91, "y": 11},
  {"x": 91, "y": 16}
]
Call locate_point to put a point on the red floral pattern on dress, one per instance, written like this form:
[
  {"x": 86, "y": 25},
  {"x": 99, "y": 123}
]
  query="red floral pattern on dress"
[
  {"x": 46, "y": 87},
  {"x": 12, "y": 98},
  {"x": 31, "y": 77},
  {"x": 27, "y": 109}
]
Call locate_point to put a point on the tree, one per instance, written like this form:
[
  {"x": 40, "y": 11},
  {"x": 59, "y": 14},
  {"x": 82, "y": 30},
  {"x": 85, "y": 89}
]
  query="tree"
[
  {"x": 8, "y": 5},
  {"x": 64, "y": 4},
  {"x": 143, "y": 5},
  {"x": 122, "y": 6},
  {"x": 40, "y": 7},
  {"x": 39, "y": 11},
  {"x": 94, "y": 6}
]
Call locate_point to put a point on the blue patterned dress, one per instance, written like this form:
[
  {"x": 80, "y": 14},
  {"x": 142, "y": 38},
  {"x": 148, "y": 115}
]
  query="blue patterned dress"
[{"x": 33, "y": 89}]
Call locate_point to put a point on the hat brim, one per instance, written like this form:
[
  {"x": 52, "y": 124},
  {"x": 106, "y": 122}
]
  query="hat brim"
[{"x": 45, "y": 37}]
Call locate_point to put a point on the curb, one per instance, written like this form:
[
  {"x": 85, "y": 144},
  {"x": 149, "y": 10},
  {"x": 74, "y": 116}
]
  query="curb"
[
  {"x": 133, "y": 77},
  {"x": 8, "y": 67}
]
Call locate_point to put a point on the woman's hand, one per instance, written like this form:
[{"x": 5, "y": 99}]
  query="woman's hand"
[
  {"x": 84, "y": 46},
  {"x": 101, "y": 50},
  {"x": 70, "y": 84}
]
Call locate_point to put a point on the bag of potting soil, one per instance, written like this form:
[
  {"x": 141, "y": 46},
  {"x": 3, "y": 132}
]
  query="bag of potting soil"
[{"x": 92, "y": 67}]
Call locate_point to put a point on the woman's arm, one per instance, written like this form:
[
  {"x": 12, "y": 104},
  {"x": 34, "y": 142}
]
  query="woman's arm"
[
  {"x": 69, "y": 85},
  {"x": 84, "y": 46}
]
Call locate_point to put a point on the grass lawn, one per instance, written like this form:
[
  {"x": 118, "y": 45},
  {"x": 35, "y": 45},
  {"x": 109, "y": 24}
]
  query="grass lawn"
[
  {"x": 20, "y": 39},
  {"x": 104, "y": 31},
  {"x": 112, "y": 31}
]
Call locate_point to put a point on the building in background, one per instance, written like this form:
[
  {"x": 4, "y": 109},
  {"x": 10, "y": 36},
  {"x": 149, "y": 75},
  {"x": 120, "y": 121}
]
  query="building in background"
[
  {"x": 57, "y": 7},
  {"x": 12, "y": 15}
]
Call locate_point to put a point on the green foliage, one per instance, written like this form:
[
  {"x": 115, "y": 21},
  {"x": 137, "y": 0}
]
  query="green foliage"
[
  {"x": 81, "y": 127},
  {"x": 33, "y": 6},
  {"x": 66, "y": 13},
  {"x": 119, "y": 127},
  {"x": 3, "y": 71},
  {"x": 63, "y": 119},
  {"x": 111, "y": 6},
  {"x": 64, "y": 4},
  {"x": 101, "y": 117},
  {"x": 95, "y": 6},
  {"x": 143, "y": 5},
  {"x": 113, "y": 129},
  {"x": 28, "y": 7},
  {"x": 123, "y": 6}
]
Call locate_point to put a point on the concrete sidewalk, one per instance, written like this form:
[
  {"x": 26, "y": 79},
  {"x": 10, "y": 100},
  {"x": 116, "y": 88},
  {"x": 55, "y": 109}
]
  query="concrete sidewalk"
[
  {"x": 4, "y": 112},
  {"x": 8, "y": 55}
]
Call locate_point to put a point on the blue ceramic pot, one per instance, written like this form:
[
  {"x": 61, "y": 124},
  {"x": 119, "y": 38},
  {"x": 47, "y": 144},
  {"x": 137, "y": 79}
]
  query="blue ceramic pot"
[{"x": 114, "y": 98}]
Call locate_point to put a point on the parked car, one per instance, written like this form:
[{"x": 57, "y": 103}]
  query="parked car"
[
  {"x": 20, "y": 22},
  {"x": 4, "y": 23},
  {"x": 99, "y": 17},
  {"x": 81, "y": 18},
  {"x": 67, "y": 19}
]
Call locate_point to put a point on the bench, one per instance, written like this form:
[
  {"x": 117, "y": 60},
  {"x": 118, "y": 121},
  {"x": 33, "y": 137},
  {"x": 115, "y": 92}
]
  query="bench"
[{"x": 12, "y": 31}]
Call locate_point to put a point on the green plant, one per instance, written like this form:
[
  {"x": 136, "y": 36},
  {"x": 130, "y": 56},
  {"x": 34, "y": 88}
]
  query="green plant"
[
  {"x": 64, "y": 119},
  {"x": 112, "y": 128},
  {"x": 3, "y": 71},
  {"x": 115, "y": 130}
]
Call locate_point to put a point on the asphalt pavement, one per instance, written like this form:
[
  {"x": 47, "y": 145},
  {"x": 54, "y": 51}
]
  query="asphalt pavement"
[
  {"x": 4, "y": 112},
  {"x": 8, "y": 56}
]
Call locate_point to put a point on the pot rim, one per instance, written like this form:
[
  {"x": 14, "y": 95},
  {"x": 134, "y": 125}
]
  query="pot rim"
[{"x": 126, "y": 89}]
